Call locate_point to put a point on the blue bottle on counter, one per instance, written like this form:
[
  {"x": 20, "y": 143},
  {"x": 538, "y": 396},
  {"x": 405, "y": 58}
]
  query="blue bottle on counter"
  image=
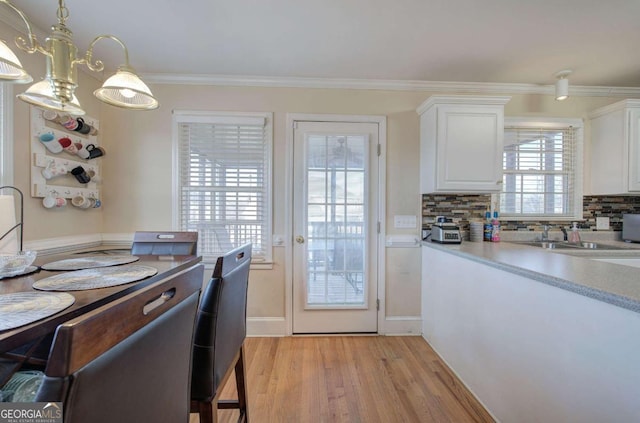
[{"x": 487, "y": 230}]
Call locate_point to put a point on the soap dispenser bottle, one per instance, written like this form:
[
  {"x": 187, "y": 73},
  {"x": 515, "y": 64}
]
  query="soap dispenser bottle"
[
  {"x": 495, "y": 228},
  {"x": 574, "y": 236}
]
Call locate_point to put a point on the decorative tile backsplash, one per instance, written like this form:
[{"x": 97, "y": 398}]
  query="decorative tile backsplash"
[{"x": 463, "y": 207}]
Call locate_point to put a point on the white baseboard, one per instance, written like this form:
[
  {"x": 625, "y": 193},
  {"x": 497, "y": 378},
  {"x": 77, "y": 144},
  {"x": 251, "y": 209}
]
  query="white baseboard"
[
  {"x": 266, "y": 326},
  {"x": 402, "y": 325},
  {"x": 276, "y": 326}
]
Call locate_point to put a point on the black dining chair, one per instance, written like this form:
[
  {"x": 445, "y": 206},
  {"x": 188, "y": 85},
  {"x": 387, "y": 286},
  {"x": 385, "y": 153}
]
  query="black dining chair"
[
  {"x": 220, "y": 332},
  {"x": 130, "y": 360},
  {"x": 165, "y": 243}
]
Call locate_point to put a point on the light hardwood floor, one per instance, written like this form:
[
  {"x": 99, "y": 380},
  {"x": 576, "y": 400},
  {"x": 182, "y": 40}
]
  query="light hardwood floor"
[{"x": 350, "y": 379}]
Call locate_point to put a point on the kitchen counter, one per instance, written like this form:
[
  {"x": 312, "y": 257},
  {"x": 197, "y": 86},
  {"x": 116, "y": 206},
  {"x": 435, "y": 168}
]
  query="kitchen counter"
[
  {"x": 571, "y": 270},
  {"x": 537, "y": 335}
]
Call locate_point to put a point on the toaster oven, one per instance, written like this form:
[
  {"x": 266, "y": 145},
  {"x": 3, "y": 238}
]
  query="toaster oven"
[{"x": 445, "y": 233}]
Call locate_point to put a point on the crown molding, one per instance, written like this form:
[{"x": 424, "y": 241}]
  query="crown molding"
[
  {"x": 12, "y": 19},
  {"x": 620, "y": 105},
  {"x": 389, "y": 85},
  {"x": 462, "y": 99}
]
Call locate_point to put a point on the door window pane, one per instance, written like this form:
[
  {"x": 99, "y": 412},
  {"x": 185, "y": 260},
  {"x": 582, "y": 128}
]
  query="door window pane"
[{"x": 335, "y": 216}]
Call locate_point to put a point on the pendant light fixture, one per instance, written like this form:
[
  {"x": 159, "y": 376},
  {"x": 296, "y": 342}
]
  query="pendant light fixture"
[
  {"x": 57, "y": 91},
  {"x": 562, "y": 85}
]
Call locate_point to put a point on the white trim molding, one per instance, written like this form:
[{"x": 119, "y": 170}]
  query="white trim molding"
[
  {"x": 266, "y": 326},
  {"x": 450, "y": 87},
  {"x": 402, "y": 326}
]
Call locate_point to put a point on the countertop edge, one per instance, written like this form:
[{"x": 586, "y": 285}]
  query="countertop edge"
[{"x": 581, "y": 288}]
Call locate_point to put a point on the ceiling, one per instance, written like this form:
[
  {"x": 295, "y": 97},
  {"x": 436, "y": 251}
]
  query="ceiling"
[{"x": 488, "y": 41}]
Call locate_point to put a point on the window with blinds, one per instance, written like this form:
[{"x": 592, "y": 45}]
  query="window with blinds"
[
  {"x": 541, "y": 173},
  {"x": 224, "y": 180}
]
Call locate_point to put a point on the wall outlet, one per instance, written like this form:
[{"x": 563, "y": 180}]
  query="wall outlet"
[
  {"x": 405, "y": 222},
  {"x": 602, "y": 223}
]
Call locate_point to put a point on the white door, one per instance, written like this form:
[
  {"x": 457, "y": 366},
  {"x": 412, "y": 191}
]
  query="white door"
[{"x": 335, "y": 227}]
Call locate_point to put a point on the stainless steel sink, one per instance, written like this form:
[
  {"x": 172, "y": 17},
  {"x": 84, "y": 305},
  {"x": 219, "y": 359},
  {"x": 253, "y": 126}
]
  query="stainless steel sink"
[
  {"x": 568, "y": 245},
  {"x": 548, "y": 244},
  {"x": 594, "y": 246}
]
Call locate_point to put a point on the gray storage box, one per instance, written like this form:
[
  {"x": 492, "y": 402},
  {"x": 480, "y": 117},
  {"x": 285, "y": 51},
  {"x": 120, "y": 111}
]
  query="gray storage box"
[{"x": 631, "y": 227}]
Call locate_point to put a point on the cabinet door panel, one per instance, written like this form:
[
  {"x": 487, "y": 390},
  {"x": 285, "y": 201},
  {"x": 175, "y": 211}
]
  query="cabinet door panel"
[
  {"x": 615, "y": 148},
  {"x": 470, "y": 148}
]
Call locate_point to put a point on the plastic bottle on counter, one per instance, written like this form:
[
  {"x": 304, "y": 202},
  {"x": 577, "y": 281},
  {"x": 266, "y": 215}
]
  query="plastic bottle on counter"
[
  {"x": 487, "y": 226},
  {"x": 574, "y": 236},
  {"x": 495, "y": 228}
]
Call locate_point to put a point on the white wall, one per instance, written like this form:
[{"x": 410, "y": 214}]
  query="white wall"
[
  {"x": 136, "y": 184},
  {"x": 40, "y": 222},
  {"x": 529, "y": 351},
  {"x": 138, "y": 197}
]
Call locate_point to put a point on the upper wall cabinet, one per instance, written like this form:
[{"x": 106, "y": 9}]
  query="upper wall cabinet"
[
  {"x": 461, "y": 143},
  {"x": 615, "y": 148}
]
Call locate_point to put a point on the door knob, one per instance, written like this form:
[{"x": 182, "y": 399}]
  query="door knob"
[{"x": 300, "y": 239}]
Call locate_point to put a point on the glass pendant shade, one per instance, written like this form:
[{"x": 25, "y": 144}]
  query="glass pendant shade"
[
  {"x": 126, "y": 89},
  {"x": 41, "y": 94},
  {"x": 10, "y": 67}
]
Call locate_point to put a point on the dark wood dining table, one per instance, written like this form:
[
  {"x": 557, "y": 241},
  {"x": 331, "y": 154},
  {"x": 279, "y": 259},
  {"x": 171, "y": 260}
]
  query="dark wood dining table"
[{"x": 86, "y": 300}]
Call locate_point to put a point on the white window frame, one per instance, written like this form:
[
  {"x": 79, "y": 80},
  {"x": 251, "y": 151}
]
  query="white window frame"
[
  {"x": 6, "y": 134},
  {"x": 554, "y": 123},
  {"x": 187, "y": 116}
]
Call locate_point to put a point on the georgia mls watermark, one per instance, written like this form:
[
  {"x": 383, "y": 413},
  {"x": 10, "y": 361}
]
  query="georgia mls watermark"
[{"x": 30, "y": 412}]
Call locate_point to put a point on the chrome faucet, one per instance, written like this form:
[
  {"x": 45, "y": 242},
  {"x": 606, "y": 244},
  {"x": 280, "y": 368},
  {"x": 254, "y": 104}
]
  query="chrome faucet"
[
  {"x": 564, "y": 233},
  {"x": 545, "y": 232}
]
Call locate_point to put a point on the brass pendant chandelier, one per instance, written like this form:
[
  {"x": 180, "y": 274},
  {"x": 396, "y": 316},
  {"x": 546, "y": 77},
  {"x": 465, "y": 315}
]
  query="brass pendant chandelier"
[{"x": 57, "y": 91}]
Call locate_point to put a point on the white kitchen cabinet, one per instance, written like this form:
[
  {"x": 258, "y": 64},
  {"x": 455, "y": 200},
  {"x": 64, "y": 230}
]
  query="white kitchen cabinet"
[
  {"x": 615, "y": 148},
  {"x": 461, "y": 141}
]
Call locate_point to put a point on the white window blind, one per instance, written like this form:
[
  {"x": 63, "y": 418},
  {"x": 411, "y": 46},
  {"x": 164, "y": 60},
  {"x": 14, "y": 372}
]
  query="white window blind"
[
  {"x": 540, "y": 173},
  {"x": 224, "y": 182}
]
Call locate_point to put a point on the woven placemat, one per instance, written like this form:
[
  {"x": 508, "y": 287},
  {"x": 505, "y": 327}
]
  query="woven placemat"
[
  {"x": 26, "y": 271},
  {"x": 103, "y": 277},
  {"x": 21, "y": 308},
  {"x": 89, "y": 262}
]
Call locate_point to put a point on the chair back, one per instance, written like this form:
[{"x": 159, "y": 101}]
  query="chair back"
[
  {"x": 165, "y": 243},
  {"x": 129, "y": 360},
  {"x": 221, "y": 322}
]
